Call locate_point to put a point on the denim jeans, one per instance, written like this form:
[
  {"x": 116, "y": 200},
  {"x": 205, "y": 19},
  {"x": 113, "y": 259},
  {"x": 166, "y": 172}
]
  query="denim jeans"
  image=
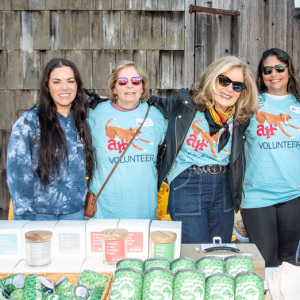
[
  {"x": 204, "y": 204},
  {"x": 47, "y": 217}
]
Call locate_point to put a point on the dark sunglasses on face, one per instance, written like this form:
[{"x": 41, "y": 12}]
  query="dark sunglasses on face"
[
  {"x": 267, "y": 70},
  {"x": 236, "y": 85},
  {"x": 134, "y": 80}
]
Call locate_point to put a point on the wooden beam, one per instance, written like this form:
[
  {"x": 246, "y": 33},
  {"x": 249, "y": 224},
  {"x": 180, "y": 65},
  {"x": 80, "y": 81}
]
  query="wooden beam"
[{"x": 215, "y": 11}]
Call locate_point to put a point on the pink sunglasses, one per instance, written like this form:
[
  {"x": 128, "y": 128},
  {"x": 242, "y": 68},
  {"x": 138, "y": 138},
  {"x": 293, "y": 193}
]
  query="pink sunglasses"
[{"x": 134, "y": 80}]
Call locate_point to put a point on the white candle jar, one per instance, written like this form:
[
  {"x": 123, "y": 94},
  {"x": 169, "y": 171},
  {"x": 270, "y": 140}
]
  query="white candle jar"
[{"x": 38, "y": 248}]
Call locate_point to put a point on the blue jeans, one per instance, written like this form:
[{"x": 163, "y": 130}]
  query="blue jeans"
[
  {"x": 46, "y": 217},
  {"x": 204, "y": 204}
]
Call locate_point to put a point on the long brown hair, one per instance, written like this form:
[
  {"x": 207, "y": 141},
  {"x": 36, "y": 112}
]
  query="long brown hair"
[
  {"x": 52, "y": 143},
  {"x": 293, "y": 84}
]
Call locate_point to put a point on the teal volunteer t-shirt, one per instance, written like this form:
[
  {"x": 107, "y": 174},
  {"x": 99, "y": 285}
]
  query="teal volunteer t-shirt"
[
  {"x": 201, "y": 149},
  {"x": 272, "y": 152},
  {"x": 131, "y": 192}
]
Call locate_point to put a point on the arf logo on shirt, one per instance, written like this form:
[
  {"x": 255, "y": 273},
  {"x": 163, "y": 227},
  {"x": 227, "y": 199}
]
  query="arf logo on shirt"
[
  {"x": 207, "y": 139},
  {"x": 124, "y": 135},
  {"x": 263, "y": 117}
]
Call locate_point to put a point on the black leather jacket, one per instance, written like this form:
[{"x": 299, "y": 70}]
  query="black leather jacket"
[{"x": 180, "y": 111}]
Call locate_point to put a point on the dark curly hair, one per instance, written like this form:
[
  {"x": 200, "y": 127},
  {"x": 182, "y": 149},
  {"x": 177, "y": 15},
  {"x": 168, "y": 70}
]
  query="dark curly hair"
[
  {"x": 293, "y": 84},
  {"x": 52, "y": 144}
]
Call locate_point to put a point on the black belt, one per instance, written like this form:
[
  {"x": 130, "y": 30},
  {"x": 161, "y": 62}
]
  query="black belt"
[{"x": 213, "y": 169}]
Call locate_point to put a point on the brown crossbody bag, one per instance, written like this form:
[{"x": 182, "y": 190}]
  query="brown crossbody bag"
[{"x": 90, "y": 206}]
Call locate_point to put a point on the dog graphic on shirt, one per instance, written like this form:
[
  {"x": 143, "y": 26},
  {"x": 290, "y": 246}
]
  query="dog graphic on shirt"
[
  {"x": 263, "y": 117},
  {"x": 115, "y": 133},
  {"x": 207, "y": 137}
]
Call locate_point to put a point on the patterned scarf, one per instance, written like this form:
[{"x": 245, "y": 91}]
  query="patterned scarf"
[{"x": 217, "y": 120}]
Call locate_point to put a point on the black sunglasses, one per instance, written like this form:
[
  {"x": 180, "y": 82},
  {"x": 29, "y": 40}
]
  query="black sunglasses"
[
  {"x": 267, "y": 70},
  {"x": 236, "y": 85}
]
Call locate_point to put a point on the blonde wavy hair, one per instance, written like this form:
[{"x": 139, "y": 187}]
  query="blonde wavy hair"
[
  {"x": 114, "y": 75},
  {"x": 207, "y": 87}
]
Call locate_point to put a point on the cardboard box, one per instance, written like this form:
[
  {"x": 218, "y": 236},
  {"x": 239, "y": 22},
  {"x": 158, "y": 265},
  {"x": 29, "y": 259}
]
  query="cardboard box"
[
  {"x": 96, "y": 264},
  {"x": 93, "y": 230},
  {"x": 21, "y": 267},
  {"x": 137, "y": 238},
  {"x": 8, "y": 265},
  {"x": 174, "y": 226},
  {"x": 69, "y": 240},
  {"x": 57, "y": 265},
  {"x": 11, "y": 242},
  {"x": 38, "y": 225},
  {"x": 71, "y": 265},
  {"x": 195, "y": 251}
]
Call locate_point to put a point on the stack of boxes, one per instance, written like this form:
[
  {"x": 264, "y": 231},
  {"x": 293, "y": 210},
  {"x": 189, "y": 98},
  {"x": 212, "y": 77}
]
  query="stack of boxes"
[
  {"x": 11, "y": 244},
  {"x": 77, "y": 245}
]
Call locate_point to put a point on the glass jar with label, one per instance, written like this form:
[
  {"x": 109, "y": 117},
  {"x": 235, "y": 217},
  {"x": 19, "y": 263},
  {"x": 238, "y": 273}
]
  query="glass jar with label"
[
  {"x": 114, "y": 241},
  {"x": 38, "y": 248},
  {"x": 163, "y": 244}
]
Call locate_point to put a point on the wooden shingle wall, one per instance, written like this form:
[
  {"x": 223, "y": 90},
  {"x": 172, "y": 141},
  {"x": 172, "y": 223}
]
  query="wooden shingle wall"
[
  {"x": 170, "y": 44},
  {"x": 95, "y": 35},
  {"x": 262, "y": 24}
]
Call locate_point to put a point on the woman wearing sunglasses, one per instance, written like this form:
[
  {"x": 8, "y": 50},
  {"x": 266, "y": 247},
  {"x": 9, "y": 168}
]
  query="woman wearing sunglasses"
[
  {"x": 131, "y": 192},
  {"x": 271, "y": 197},
  {"x": 204, "y": 149}
]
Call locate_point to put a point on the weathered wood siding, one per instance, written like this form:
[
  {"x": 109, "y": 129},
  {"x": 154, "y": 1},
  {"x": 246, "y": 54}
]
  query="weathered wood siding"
[
  {"x": 170, "y": 44},
  {"x": 262, "y": 24}
]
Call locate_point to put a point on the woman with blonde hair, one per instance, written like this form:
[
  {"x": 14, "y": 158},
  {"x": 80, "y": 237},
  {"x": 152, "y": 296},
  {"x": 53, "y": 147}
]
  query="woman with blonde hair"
[
  {"x": 203, "y": 160},
  {"x": 131, "y": 192}
]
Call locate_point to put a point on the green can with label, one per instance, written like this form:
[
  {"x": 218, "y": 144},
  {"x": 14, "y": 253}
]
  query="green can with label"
[
  {"x": 219, "y": 286},
  {"x": 80, "y": 291},
  {"x": 189, "y": 284},
  {"x": 13, "y": 282},
  {"x": 182, "y": 263},
  {"x": 48, "y": 287},
  {"x": 163, "y": 244},
  {"x": 2, "y": 288},
  {"x": 33, "y": 288},
  {"x": 17, "y": 294},
  {"x": 249, "y": 285},
  {"x": 131, "y": 263},
  {"x": 96, "y": 293},
  {"x": 127, "y": 284},
  {"x": 236, "y": 264},
  {"x": 210, "y": 265},
  {"x": 91, "y": 279},
  {"x": 158, "y": 284},
  {"x": 59, "y": 297},
  {"x": 64, "y": 287},
  {"x": 157, "y": 262}
]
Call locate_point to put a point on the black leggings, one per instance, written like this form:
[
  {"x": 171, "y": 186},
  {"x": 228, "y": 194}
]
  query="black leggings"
[{"x": 275, "y": 230}]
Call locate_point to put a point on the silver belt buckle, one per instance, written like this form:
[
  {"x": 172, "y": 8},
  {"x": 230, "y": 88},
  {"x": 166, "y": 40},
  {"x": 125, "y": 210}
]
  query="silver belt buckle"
[{"x": 211, "y": 170}]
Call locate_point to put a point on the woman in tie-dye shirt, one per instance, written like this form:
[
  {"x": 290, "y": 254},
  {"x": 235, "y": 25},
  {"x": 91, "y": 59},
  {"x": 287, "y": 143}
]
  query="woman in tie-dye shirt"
[{"x": 50, "y": 150}]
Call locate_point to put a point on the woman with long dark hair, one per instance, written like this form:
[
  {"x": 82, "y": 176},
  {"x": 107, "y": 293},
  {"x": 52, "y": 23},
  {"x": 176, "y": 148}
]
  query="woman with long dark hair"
[
  {"x": 271, "y": 189},
  {"x": 50, "y": 150}
]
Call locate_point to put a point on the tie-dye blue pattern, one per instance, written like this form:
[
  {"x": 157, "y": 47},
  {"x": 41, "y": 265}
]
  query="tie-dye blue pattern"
[{"x": 66, "y": 192}]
